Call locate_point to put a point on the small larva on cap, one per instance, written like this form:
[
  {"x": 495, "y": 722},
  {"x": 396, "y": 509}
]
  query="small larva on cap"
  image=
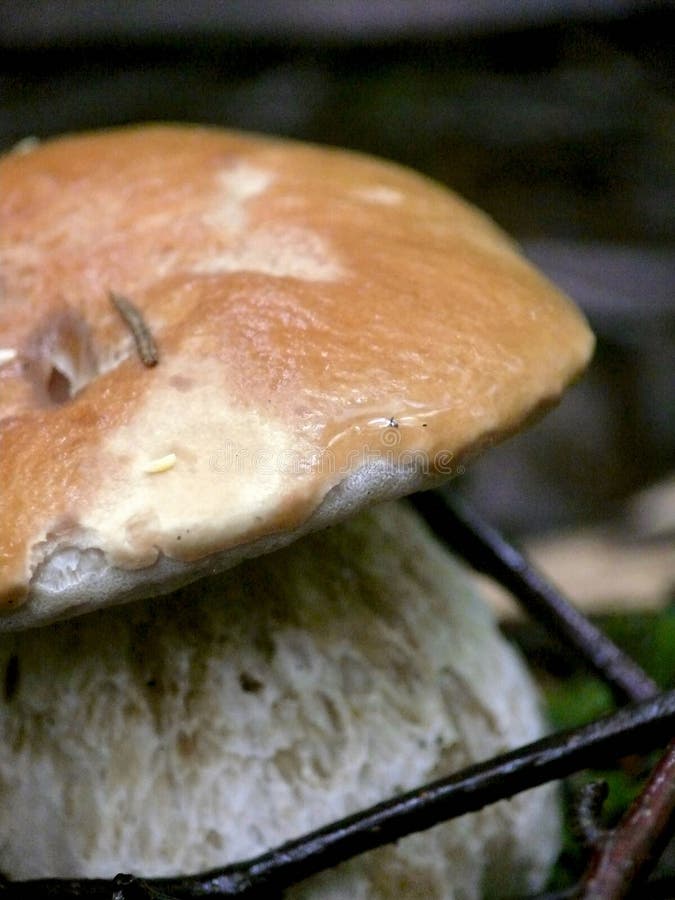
[
  {"x": 7, "y": 354},
  {"x": 147, "y": 349},
  {"x": 162, "y": 464}
]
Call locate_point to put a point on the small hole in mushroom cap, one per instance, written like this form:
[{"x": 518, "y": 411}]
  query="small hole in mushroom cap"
[
  {"x": 60, "y": 358},
  {"x": 58, "y": 386}
]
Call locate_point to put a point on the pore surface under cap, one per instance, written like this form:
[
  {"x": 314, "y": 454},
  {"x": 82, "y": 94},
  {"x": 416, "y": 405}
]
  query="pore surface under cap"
[{"x": 331, "y": 329}]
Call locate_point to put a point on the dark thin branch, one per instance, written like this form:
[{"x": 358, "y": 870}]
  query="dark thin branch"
[
  {"x": 626, "y": 856},
  {"x": 634, "y": 729},
  {"x": 487, "y": 551}
]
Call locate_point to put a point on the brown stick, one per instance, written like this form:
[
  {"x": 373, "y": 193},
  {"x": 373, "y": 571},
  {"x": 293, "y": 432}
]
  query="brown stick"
[{"x": 626, "y": 855}]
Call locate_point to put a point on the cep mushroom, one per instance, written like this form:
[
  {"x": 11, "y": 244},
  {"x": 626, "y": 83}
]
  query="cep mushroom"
[{"x": 302, "y": 332}]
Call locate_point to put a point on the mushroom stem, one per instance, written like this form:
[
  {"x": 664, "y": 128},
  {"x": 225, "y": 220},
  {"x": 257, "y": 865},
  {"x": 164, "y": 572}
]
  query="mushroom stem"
[{"x": 634, "y": 729}]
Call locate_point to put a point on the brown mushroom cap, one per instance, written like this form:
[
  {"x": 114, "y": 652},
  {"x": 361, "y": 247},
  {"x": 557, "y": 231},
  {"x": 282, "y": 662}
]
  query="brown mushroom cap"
[{"x": 331, "y": 329}]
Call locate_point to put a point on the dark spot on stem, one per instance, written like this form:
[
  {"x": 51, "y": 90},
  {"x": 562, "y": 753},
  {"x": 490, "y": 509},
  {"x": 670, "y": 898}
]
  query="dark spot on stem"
[
  {"x": 249, "y": 683},
  {"x": 12, "y": 675}
]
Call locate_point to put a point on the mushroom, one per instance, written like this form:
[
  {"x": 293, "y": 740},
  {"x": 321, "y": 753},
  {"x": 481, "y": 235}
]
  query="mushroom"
[{"x": 217, "y": 344}]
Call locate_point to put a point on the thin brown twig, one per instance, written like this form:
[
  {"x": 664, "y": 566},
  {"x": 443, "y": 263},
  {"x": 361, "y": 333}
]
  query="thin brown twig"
[{"x": 625, "y": 857}]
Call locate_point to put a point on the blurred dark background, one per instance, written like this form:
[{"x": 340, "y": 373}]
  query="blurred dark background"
[{"x": 556, "y": 117}]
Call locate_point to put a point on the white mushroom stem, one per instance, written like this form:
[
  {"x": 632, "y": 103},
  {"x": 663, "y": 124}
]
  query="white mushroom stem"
[{"x": 181, "y": 734}]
